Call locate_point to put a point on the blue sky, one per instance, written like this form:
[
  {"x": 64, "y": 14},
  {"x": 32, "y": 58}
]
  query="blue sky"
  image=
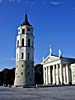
[{"x": 53, "y": 22}]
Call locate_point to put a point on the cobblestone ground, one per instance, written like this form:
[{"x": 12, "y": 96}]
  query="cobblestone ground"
[{"x": 46, "y": 93}]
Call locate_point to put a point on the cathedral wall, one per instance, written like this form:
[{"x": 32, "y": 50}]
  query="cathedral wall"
[{"x": 73, "y": 73}]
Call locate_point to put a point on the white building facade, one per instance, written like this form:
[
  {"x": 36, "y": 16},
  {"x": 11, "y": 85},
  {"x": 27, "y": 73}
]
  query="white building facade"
[
  {"x": 24, "y": 73},
  {"x": 58, "y": 70}
]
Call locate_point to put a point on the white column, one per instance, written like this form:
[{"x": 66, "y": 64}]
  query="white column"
[
  {"x": 57, "y": 72},
  {"x": 61, "y": 74},
  {"x": 67, "y": 73},
  {"x": 53, "y": 74},
  {"x": 64, "y": 74},
  {"x": 49, "y": 75}
]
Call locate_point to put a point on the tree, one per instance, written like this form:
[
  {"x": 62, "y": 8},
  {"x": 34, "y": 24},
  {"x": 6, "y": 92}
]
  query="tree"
[
  {"x": 38, "y": 74},
  {"x": 7, "y": 77}
]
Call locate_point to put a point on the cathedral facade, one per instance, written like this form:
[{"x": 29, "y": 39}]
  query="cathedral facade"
[{"x": 58, "y": 70}]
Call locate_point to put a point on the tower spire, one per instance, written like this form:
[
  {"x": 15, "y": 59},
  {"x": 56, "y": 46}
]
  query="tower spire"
[
  {"x": 26, "y": 21},
  {"x": 26, "y": 18}
]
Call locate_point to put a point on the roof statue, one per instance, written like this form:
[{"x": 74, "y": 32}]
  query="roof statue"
[
  {"x": 51, "y": 51},
  {"x": 60, "y": 53},
  {"x": 43, "y": 58}
]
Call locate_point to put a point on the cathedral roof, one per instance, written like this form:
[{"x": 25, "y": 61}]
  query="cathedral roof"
[{"x": 26, "y": 21}]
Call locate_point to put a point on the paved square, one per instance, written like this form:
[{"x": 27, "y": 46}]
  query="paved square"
[{"x": 48, "y": 93}]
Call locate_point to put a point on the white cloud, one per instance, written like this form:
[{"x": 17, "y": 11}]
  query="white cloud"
[{"x": 55, "y": 3}]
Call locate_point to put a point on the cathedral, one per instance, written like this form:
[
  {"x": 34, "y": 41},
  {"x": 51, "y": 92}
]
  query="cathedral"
[
  {"x": 58, "y": 70},
  {"x": 24, "y": 73}
]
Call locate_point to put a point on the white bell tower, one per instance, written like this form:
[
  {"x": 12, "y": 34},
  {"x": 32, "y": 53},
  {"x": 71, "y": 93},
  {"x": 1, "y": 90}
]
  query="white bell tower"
[{"x": 24, "y": 73}]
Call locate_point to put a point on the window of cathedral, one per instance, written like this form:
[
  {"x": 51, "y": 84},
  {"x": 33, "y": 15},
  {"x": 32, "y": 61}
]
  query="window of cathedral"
[
  {"x": 22, "y": 66},
  {"x": 16, "y": 73},
  {"x": 23, "y": 31},
  {"x": 28, "y": 65},
  {"x": 18, "y": 30},
  {"x": 21, "y": 73},
  {"x": 17, "y": 43},
  {"x": 30, "y": 79},
  {"x": 22, "y": 42},
  {"x": 22, "y": 55},
  {"x": 17, "y": 66},
  {"x": 28, "y": 73},
  {"x": 28, "y": 42},
  {"x": 28, "y": 55}
]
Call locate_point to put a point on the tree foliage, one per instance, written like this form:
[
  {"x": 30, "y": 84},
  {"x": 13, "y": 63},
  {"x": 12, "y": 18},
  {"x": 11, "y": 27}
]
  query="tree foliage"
[
  {"x": 7, "y": 77},
  {"x": 38, "y": 74}
]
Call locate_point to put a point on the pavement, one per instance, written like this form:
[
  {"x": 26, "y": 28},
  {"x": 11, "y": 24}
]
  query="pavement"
[{"x": 43, "y": 93}]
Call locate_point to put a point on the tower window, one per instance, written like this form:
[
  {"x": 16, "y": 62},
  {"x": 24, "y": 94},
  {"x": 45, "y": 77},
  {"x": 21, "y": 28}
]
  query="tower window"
[
  {"x": 30, "y": 79},
  {"x": 22, "y": 55},
  {"x": 17, "y": 66},
  {"x": 28, "y": 55},
  {"x": 28, "y": 42},
  {"x": 22, "y": 66},
  {"x": 19, "y": 30},
  {"x": 17, "y": 43},
  {"x": 22, "y": 42},
  {"x": 23, "y": 31},
  {"x": 28, "y": 65},
  {"x": 21, "y": 73},
  {"x": 28, "y": 29},
  {"x": 28, "y": 73},
  {"x": 16, "y": 73}
]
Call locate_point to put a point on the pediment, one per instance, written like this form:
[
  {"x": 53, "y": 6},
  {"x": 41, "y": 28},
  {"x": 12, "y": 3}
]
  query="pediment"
[{"x": 50, "y": 59}]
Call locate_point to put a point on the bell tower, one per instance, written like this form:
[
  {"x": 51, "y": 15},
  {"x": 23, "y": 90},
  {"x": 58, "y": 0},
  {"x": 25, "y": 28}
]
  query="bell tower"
[{"x": 24, "y": 73}]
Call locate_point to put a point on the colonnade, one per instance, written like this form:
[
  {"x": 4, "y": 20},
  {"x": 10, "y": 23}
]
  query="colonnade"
[{"x": 56, "y": 74}]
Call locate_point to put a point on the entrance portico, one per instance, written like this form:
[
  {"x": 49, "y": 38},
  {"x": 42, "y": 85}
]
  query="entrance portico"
[{"x": 56, "y": 70}]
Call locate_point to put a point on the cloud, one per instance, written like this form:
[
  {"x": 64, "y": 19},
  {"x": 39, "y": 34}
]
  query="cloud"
[{"x": 55, "y": 3}]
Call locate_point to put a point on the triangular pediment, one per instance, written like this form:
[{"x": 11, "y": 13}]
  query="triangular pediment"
[{"x": 50, "y": 59}]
